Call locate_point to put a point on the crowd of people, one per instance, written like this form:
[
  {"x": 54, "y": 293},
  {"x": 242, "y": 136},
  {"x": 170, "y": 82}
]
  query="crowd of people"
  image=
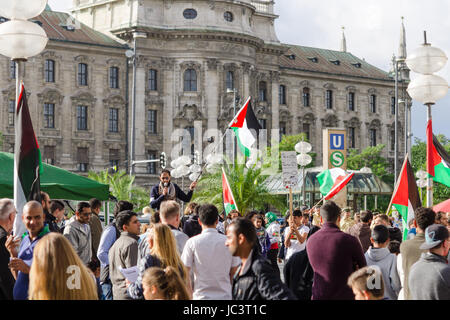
[{"x": 328, "y": 253}]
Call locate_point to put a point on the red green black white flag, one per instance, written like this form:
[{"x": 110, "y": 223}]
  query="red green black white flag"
[
  {"x": 438, "y": 160},
  {"x": 228, "y": 199},
  {"x": 27, "y": 161},
  {"x": 246, "y": 127},
  {"x": 406, "y": 195}
]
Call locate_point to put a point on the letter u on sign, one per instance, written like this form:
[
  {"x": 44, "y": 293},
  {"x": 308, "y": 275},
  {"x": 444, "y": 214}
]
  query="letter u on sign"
[{"x": 337, "y": 141}]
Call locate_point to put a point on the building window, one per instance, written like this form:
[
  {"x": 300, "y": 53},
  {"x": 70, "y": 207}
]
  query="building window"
[
  {"x": 113, "y": 120},
  {"x": 151, "y": 166},
  {"x": 114, "y": 158},
  {"x": 83, "y": 159},
  {"x": 282, "y": 130},
  {"x": 114, "y": 77},
  {"x": 263, "y": 123},
  {"x": 49, "y": 115},
  {"x": 82, "y": 118},
  {"x": 392, "y": 138},
  {"x": 152, "y": 121},
  {"x": 152, "y": 80},
  {"x": 12, "y": 69},
  {"x": 282, "y": 94},
  {"x": 373, "y": 103},
  {"x": 306, "y": 129},
  {"x": 230, "y": 80},
  {"x": 262, "y": 91},
  {"x": 329, "y": 99},
  {"x": 190, "y": 14},
  {"x": 306, "y": 97},
  {"x": 190, "y": 80},
  {"x": 49, "y": 155},
  {"x": 82, "y": 74},
  {"x": 11, "y": 112},
  {"x": 351, "y": 137},
  {"x": 351, "y": 101},
  {"x": 373, "y": 137},
  {"x": 49, "y": 70},
  {"x": 228, "y": 16},
  {"x": 392, "y": 105}
]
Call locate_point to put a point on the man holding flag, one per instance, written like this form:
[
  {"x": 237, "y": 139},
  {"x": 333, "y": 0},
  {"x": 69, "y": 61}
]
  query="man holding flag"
[{"x": 27, "y": 161}]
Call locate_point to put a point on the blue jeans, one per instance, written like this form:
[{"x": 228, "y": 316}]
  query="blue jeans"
[{"x": 107, "y": 290}]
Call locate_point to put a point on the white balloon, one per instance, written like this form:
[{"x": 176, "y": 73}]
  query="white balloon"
[
  {"x": 194, "y": 175},
  {"x": 303, "y": 147},
  {"x": 185, "y": 160},
  {"x": 212, "y": 168},
  {"x": 421, "y": 183},
  {"x": 183, "y": 170},
  {"x": 216, "y": 159},
  {"x": 175, "y": 173},
  {"x": 195, "y": 168},
  {"x": 174, "y": 163},
  {"x": 304, "y": 159},
  {"x": 421, "y": 174}
]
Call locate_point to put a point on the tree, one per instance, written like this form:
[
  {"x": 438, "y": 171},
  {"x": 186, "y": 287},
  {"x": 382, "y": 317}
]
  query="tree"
[
  {"x": 419, "y": 162},
  {"x": 370, "y": 157},
  {"x": 121, "y": 186},
  {"x": 247, "y": 185}
]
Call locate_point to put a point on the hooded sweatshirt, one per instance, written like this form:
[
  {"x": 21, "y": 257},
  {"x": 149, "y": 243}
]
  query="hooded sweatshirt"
[{"x": 387, "y": 262}]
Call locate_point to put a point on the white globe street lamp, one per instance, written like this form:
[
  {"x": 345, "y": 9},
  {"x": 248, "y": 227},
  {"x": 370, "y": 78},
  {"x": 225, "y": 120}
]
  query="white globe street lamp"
[
  {"x": 427, "y": 88},
  {"x": 303, "y": 159},
  {"x": 22, "y": 9}
]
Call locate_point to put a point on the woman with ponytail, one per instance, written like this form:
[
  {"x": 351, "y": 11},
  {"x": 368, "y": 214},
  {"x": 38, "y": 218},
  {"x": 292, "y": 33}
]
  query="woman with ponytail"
[
  {"x": 164, "y": 284},
  {"x": 163, "y": 253}
]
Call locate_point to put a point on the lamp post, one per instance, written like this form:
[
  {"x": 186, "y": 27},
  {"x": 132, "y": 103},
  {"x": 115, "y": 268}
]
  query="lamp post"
[
  {"x": 132, "y": 54},
  {"x": 395, "y": 62},
  {"x": 427, "y": 87},
  {"x": 303, "y": 159},
  {"x": 234, "y": 114}
]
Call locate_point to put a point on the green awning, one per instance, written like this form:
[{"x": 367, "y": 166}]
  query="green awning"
[{"x": 58, "y": 183}]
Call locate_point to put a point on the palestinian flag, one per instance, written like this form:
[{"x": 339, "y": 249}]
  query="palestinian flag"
[
  {"x": 27, "y": 161},
  {"x": 246, "y": 127},
  {"x": 332, "y": 181},
  {"x": 406, "y": 195},
  {"x": 438, "y": 160},
  {"x": 228, "y": 199}
]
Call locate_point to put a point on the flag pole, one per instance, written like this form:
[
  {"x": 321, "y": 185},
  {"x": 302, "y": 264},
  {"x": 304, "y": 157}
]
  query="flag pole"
[{"x": 396, "y": 186}]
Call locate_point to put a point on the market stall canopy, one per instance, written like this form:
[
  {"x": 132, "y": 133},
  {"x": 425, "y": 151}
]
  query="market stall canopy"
[
  {"x": 361, "y": 183},
  {"x": 58, "y": 183}
]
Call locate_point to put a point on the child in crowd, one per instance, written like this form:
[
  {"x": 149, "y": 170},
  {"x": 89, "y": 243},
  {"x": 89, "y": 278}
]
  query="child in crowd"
[
  {"x": 367, "y": 284},
  {"x": 263, "y": 236},
  {"x": 163, "y": 284}
]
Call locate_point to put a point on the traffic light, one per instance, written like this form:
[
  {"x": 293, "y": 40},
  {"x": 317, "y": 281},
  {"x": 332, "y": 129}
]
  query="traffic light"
[{"x": 162, "y": 160}]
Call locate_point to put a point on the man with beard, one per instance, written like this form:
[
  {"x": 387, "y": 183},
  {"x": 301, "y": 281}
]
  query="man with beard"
[{"x": 167, "y": 190}]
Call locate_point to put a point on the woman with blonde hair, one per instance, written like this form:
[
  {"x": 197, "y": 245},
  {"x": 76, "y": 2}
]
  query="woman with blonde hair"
[
  {"x": 163, "y": 253},
  {"x": 164, "y": 284},
  {"x": 57, "y": 273}
]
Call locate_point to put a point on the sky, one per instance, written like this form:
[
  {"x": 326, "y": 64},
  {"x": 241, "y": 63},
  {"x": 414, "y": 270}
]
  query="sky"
[{"x": 372, "y": 30}]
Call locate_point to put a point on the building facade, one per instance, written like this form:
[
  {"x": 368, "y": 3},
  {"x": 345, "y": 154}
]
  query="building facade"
[{"x": 193, "y": 57}]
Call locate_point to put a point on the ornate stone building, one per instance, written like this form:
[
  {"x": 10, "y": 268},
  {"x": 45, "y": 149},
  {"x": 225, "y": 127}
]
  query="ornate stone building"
[{"x": 188, "y": 54}]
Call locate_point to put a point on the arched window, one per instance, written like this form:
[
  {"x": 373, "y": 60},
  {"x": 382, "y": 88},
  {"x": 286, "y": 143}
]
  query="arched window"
[
  {"x": 230, "y": 80},
  {"x": 190, "y": 80},
  {"x": 262, "y": 91},
  {"x": 306, "y": 97}
]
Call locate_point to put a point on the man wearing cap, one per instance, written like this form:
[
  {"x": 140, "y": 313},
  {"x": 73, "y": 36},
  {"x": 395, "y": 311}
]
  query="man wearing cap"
[
  {"x": 429, "y": 278},
  {"x": 273, "y": 230}
]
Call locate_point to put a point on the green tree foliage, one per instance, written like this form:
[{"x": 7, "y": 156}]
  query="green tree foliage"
[
  {"x": 121, "y": 186},
  {"x": 247, "y": 187},
  {"x": 419, "y": 162},
  {"x": 370, "y": 157},
  {"x": 288, "y": 143}
]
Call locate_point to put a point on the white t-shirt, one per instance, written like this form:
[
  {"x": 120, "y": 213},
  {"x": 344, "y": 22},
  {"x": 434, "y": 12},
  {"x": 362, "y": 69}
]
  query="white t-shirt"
[
  {"x": 296, "y": 246},
  {"x": 211, "y": 261}
]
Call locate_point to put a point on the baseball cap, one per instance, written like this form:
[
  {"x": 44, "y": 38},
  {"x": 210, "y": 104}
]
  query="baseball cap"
[{"x": 434, "y": 236}]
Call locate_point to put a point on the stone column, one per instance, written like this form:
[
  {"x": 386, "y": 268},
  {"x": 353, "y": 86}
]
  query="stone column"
[
  {"x": 246, "y": 70},
  {"x": 170, "y": 91},
  {"x": 140, "y": 123},
  {"x": 212, "y": 86},
  {"x": 275, "y": 80}
]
